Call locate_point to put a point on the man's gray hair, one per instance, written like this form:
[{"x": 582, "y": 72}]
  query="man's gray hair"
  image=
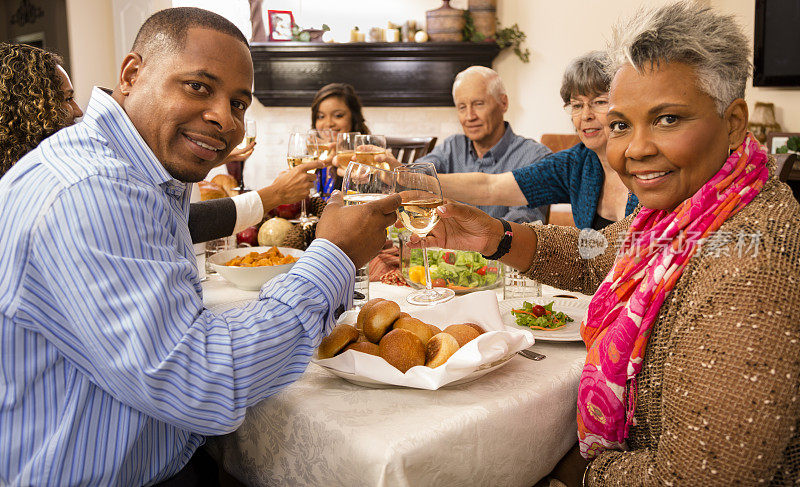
[
  {"x": 494, "y": 84},
  {"x": 686, "y": 32}
]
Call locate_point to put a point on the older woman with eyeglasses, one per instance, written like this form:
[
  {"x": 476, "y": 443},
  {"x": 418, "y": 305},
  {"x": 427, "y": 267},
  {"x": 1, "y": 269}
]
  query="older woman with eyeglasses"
[
  {"x": 579, "y": 175},
  {"x": 693, "y": 332}
]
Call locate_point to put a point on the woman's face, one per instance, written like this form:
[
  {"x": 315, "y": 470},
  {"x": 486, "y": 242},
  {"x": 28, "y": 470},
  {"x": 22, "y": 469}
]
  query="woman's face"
[
  {"x": 335, "y": 115},
  {"x": 70, "y": 105},
  {"x": 589, "y": 117},
  {"x": 665, "y": 138}
]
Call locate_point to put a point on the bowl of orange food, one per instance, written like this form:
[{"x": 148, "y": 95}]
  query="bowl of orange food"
[{"x": 249, "y": 268}]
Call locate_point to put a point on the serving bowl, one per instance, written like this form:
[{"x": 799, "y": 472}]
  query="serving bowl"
[
  {"x": 460, "y": 270},
  {"x": 250, "y": 278}
]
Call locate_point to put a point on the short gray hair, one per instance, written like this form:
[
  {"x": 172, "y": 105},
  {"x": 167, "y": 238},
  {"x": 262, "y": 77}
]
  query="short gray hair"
[
  {"x": 494, "y": 84},
  {"x": 686, "y": 32},
  {"x": 586, "y": 75}
]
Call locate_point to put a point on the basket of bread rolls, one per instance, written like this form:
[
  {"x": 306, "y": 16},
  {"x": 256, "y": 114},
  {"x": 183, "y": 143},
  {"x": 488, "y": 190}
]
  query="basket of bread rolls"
[{"x": 427, "y": 348}]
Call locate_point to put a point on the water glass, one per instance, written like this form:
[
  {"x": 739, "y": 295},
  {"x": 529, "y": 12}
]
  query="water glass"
[
  {"x": 361, "y": 290},
  {"x": 215, "y": 246},
  {"x": 516, "y": 285}
]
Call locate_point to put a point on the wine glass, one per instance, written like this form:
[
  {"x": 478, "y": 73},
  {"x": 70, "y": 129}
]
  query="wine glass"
[
  {"x": 421, "y": 194},
  {"x": 325, "y": 142},
  {"x": 364, "y": 183},
  {"x": 302, "y": 148},
  {"x": 236, "y": 168},
  {"x": 345, "y": 148},
  {"x": 368, "y": 147}
]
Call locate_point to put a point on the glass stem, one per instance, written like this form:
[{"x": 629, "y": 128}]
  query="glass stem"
[
  {"x": 303, "y": 213},
  {"x": 428, "y": 284}
]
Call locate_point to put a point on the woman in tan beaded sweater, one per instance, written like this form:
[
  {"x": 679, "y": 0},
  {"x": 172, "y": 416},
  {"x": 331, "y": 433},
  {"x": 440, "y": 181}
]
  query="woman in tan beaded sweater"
[{"x": 693, "y": 333}]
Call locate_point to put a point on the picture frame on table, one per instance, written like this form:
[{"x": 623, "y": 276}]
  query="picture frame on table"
[
  {"x": 778, "y": 139},
  {"x": 280, "y": 25}
]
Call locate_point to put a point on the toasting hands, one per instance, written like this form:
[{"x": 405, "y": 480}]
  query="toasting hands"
[
  {"x": 463, "y": 227},
  {"x": 359, "y": 230}
]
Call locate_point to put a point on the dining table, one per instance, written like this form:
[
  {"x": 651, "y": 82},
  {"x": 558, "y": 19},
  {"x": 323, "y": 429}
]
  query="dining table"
[{"x": 508, "y": 427}]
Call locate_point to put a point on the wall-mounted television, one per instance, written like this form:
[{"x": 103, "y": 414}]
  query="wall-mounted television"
[{"x": 776, "y": 43}]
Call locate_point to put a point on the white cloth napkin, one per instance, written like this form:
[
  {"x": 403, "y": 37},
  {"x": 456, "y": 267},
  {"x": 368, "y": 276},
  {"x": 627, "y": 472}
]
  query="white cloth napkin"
[{"x": 498, "y": 343}]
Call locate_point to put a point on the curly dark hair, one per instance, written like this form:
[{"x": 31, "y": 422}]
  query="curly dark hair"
[
  {"x": 348, "y": 94},
  {"x": 31, "y": 100}
]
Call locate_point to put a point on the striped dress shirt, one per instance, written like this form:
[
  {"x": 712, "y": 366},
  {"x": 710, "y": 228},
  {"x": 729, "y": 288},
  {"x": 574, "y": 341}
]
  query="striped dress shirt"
[{"x": 111, "y": 370}]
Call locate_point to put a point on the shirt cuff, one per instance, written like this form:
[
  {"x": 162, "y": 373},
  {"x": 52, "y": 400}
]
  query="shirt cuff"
[
  {"x": 249, "y": 210},
  {"x": 330, "y": 269}
]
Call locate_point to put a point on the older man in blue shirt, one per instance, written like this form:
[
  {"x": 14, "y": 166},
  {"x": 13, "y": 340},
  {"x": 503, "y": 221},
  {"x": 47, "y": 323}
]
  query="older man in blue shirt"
[{"x": 488, "y": 144}]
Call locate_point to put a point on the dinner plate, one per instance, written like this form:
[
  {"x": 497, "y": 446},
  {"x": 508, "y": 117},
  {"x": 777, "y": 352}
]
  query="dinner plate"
[
  {"x": 574, "y": 308},
  {"x": 367, "y": 382}
]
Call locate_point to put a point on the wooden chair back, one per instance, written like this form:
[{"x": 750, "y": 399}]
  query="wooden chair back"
[
  {"x": 784, "y": 163},
  {"x": 558, "y": 142},
  {"x": 409, "y": 149}
]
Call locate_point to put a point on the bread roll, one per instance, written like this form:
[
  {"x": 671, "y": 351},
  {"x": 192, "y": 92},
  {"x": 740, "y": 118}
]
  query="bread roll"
[
  {"x": 226, "y": 182},
  {"x": 210, "y": 191},
  {"x": 362, "y": 313},
  {"x": 365, "y": 347},
  {"x": 462, "y": 333},
  {"x": 379, "y": 318},
  {"x": 440, "y": 347},
  {"x": 340, "y": 337},
  {"x": 434, "y": 329},
  {"x": 402, "y": 349},
  {"x": 477, "y": 328},
  {"x": 415, "y": 326}
]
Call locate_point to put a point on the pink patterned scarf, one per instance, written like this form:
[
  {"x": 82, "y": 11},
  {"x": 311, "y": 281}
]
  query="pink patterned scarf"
[{"x": 657, "y": 247}]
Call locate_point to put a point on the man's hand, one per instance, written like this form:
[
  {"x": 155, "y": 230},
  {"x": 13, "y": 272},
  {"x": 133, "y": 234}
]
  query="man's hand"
[
  {"x": 463, "y": 227},
  {"x": 239, "y": 155},
  {"x": 359, "y": 230}
]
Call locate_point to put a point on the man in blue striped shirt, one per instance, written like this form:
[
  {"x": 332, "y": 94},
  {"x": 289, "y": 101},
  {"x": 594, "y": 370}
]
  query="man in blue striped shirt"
[{"x": 111, "y": 370}]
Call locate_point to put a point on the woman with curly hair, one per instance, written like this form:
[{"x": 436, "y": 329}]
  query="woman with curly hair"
[{"x": 36, "y": 100}]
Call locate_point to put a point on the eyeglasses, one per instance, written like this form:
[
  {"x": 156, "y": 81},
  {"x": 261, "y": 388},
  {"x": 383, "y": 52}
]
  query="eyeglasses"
[{"x": 575, "y": 107}]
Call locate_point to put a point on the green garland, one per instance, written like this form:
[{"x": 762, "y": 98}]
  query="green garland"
[{"x": 506, "y": 37}]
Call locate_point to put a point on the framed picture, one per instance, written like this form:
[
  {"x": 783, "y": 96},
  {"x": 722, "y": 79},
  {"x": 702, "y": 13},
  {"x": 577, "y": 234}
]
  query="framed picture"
[
  {"x": 778, "y": 139},
  {"x": 280, "y": 25}
]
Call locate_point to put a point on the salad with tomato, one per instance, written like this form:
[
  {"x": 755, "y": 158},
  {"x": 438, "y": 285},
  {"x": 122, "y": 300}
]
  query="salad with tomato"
[
  {"x": 455, "y": 269},
  {"x": 540, "y": 317}
]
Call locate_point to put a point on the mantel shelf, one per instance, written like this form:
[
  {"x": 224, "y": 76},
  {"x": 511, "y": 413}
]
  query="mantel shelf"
[{"x": 383, "y": 74}]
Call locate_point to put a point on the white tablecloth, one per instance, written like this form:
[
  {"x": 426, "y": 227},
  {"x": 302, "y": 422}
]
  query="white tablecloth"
[{"x": 507, "y": 428}]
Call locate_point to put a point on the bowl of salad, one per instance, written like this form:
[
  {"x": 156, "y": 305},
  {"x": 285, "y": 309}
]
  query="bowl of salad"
[{"x": 459, "y": 270}]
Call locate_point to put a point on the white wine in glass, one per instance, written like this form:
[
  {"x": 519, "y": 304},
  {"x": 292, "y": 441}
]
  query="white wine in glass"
[
  {"x": 298, "y": 152},
  {"x": 363, "y": 183},
  {"x": 345, "y": 148},
  {"x": 368, "y": 147},
  {"x": 421, "y": 194}
]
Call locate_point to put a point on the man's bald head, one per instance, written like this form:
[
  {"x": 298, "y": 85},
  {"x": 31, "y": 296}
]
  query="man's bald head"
[{"x": 165, "y": 30}]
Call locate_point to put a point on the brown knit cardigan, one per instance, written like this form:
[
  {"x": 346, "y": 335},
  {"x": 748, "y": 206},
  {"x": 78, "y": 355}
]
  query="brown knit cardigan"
[{"x": 717, "y": 402}]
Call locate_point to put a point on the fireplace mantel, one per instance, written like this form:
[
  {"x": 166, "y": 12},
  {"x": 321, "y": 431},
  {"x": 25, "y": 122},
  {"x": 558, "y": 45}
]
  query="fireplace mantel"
[{"x": 288, "y": 74}]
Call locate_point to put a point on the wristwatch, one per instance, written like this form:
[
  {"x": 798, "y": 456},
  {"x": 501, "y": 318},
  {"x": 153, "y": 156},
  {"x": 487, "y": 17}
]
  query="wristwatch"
[{"x": 505, "y": 243}]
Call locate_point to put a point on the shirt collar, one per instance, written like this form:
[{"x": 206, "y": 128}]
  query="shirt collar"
[
  {"x": 499, "y": 149},
  {"x": 106, "y": 116}
]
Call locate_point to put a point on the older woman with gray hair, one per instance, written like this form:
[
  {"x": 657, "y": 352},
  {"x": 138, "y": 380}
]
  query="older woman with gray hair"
[{"x": 693, "y": 332}]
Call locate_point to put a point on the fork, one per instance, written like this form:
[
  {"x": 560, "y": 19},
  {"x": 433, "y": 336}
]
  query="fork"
[{"x": 530, "y": 354}]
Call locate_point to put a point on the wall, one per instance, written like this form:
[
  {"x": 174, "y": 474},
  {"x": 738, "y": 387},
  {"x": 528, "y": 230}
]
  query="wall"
[
  {"x": 91, "y": 44},
  {"x": 786, "y": 100}
]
